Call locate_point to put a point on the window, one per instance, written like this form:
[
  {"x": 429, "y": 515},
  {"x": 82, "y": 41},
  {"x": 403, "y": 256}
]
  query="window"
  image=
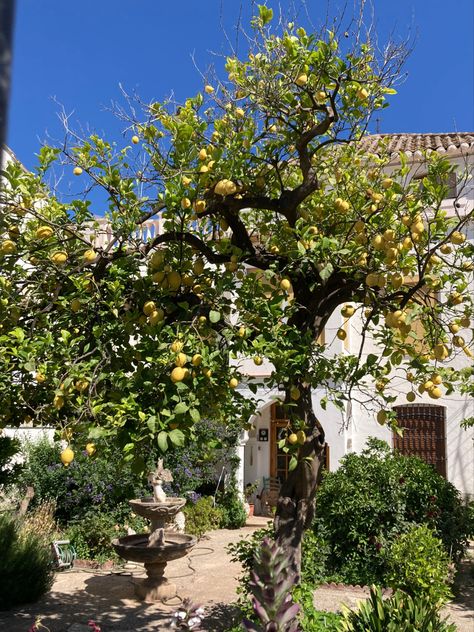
[
  {"x": 424, "y": 435},
  {"x": 451, "y": 183}
]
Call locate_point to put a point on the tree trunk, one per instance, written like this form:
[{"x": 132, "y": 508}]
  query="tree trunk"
[{"x": 296, "y": 503}]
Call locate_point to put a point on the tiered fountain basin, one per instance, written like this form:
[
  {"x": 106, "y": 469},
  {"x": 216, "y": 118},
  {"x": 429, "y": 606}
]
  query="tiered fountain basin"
[
  {"x": 160, "y": 514},
  {"x": 157, "y": 548},
  {"x": 137, "y": 548}
]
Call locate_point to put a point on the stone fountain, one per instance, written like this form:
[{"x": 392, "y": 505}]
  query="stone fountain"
[{"x": 161, "y": 545}]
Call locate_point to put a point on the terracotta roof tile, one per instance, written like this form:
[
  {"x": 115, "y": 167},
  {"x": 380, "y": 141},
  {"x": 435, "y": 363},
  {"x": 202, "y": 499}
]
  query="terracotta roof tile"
[{"x": 413, "y": 143}]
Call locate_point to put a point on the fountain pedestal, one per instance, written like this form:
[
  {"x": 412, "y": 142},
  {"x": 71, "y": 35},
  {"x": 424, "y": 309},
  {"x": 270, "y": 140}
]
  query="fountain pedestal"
[{"x": 155, "y": 587}]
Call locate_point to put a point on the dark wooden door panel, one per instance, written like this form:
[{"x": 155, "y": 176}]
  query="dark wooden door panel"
[{"x": 424, "y": 434}]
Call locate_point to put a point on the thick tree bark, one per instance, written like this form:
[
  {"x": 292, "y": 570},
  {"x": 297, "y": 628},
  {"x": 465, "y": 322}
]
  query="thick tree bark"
[{"x": 296, "y": 504}]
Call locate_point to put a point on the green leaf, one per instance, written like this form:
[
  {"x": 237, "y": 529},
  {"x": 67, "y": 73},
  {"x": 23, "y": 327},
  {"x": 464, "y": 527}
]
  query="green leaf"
[
  {"x": 151, "y": 423},
  {"x": 195, "y": 415},
  {"x": 293, "y": 463},
  {"x": 181, "y": 408},
  {"x": 265, "y": 14},
  {"x": 162, "y": 440},
  {"x": 214, "y": 316},
  {"x": 97, "y": 433},
  {"x": 326, "y": 271},
  {"x": 177, "y": 437}
]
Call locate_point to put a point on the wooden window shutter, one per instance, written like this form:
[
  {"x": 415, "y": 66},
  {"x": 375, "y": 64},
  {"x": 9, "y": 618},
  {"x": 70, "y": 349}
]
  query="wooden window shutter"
[{"x": 424, "y": 433}]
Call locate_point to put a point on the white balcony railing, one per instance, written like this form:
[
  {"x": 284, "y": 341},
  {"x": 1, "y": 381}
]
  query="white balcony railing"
[{"x": 102, "y": 236}]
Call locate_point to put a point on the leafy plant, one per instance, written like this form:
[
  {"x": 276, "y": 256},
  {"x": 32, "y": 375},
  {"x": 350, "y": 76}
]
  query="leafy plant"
[
  {"x": 312, "y": 620},
  {"x": 202, "y": 516},
  {"x": 233, "y": 514},
  {"x": 372, "y": 499},
  {"x": 419, "y": 565},
  {"x": 26, "y": 565},
  {"x": 92, "y": 534},
  {"x": 270, "y": 586},
  {"x": 399, "y": 613},
  {"x": 9, "y": 471},
  {"x": 244, "y": 552},
  {"x": 187, "y": 617},
  {"x": 194, "y": 466},
  {"x": 40, "y": 521},
  {"x": 96, "y": 483}
]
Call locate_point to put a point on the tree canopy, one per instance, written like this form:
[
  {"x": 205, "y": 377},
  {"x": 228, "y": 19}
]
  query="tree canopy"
[{"x": 272, "y": 214}]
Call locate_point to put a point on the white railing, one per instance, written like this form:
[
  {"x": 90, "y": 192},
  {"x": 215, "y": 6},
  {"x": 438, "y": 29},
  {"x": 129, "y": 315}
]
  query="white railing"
[{"x": 102, "y": 235}]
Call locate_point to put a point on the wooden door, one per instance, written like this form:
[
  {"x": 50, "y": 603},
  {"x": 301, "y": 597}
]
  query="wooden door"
[
  {"x": 279, "y": 460},
  {"x": 424, "y": 435}
]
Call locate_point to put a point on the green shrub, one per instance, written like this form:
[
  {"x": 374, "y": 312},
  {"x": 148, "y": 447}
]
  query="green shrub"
[
  {"x": 202, "y": 516},
  {"x": 95, "y": 483},
  {"x": 9, "y": 472},
  {"x": 418, "y": 565},
  {"x": 233, "y": 514},
  {"x": 243, "y": 552},
  {"x": 315, "y": 551},
  {"x": 194, "y": 465},
  {"x": 373, "y": 498},
  {"x": 313, "y": 556},
  {"x": 312, "y": 620},
  {"x": 26, "y": 565},
  {"x": 399, "y": 613},
  {"x": 92, "y": 535}
]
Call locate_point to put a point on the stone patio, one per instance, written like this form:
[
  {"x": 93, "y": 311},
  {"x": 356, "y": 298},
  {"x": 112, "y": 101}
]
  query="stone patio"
[{"x": 207, "y": 576}]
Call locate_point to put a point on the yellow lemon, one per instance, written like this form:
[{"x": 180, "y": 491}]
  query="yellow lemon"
[
  {"x": 43, "y": 232},
  {"x": 67, "y": 456},
  {"x": 301, "y": 80},
  {"x": 178, "y": 374},
  {"x": 180, "y": 359},
  {"x": 176, "y": 346},
  {"x": 156, "y": 316},
  {"x": 149, "y": 307},
  {"x": 59, "y": 258},
  {"x": 196, "y": 360}
]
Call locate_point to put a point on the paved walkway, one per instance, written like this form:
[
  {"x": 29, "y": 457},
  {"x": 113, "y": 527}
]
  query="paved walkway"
[{"x": 207, "y": 576}]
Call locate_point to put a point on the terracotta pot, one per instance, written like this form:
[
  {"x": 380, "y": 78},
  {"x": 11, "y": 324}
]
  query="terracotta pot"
[{"x": 251, "y": 509}]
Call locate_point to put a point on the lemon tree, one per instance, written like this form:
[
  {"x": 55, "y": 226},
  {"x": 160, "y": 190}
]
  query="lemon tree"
[{"x": 273, "y": 214}]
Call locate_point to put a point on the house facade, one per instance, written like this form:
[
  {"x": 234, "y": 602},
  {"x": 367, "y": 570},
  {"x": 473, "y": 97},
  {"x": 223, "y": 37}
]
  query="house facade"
[{"x": 433, "y": 430}]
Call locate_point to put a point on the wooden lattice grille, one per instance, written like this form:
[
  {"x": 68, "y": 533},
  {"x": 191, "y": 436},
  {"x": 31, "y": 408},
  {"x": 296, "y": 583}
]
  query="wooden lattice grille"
[{"x": 424, "y": 434}]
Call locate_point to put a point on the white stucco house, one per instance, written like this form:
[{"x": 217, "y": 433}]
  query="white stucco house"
[{"x": 433, "y": 430}]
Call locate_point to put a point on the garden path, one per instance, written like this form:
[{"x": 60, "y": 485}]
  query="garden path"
[{"x": 207, "y": 576}]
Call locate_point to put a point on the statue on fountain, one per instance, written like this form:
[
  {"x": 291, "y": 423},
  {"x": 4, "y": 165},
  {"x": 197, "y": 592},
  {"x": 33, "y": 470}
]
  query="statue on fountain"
[{"x": 157, "y": 478}]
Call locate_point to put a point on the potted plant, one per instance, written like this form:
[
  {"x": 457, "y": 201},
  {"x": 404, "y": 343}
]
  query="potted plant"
[{"x": 249, "y": 493}]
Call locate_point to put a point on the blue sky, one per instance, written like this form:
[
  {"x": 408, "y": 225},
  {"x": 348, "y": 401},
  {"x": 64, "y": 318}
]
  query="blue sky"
[{"x": 79, "y": 52}]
